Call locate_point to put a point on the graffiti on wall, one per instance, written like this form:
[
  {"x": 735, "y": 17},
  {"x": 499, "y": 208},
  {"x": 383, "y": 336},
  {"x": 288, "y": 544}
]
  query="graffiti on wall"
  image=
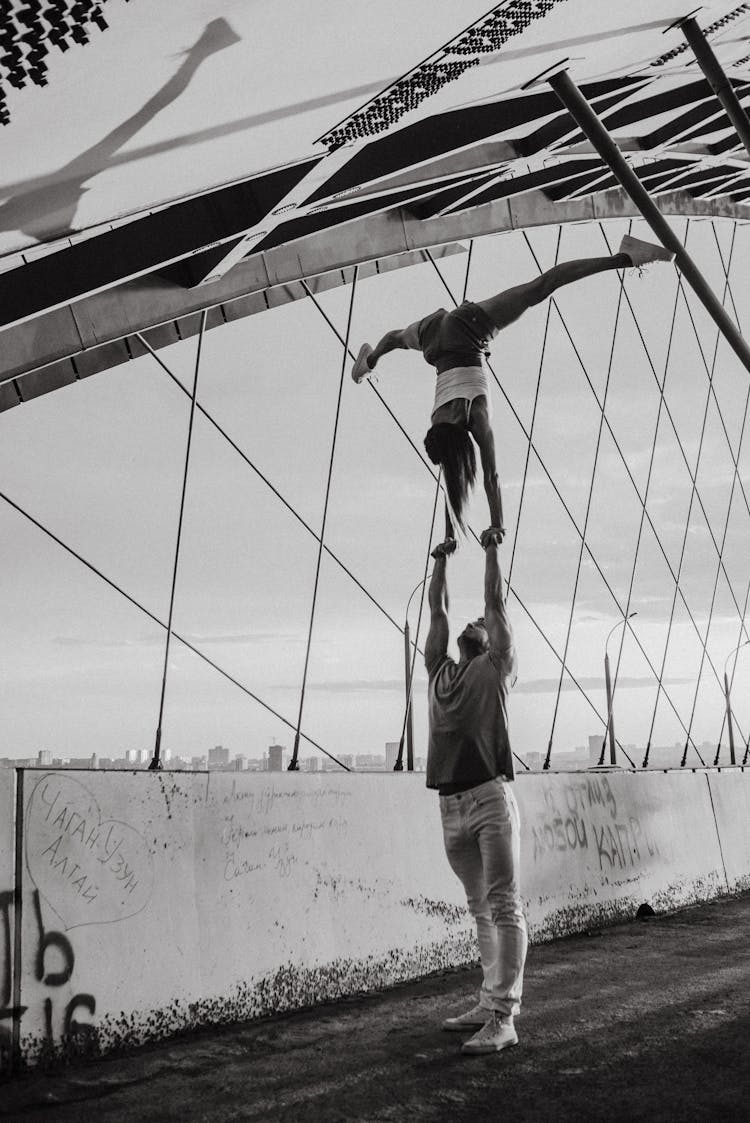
[
  {"x": 89, "y": 869},
  {"x": 582, "y": 814},
  {"x": 53, "y": 965},
  {"x": 85, "y": 869},
  {"x": 257, "y": 831}
]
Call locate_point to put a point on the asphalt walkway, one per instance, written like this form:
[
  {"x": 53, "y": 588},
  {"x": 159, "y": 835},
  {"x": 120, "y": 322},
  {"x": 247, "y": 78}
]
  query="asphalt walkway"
[{"x": 645, "y": 1021}]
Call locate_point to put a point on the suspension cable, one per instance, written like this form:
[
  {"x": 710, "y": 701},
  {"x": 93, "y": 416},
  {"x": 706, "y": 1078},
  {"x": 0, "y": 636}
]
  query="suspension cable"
[
  {"x": 370, "y": 383},
  {"x": 553, "y": 485},
  {"x": 233, "y": 444},
  {"x": 647, "y": 488},
  {"x": 713, "y": 394},
  {"x": 155, "y": 764},
  {"x": 399, "y": 764},
  {"x": 293, "y": 766},
  {"x": 693, "y": 492},
  {"x": 644, "y": 513},
  {"x": 542, "y": 355},
  {"x": 468, "y": 267},
  {"x": 736, "y": 654},
  {"x": 471, "y": 530},
  {"x": 511, "y": 590},
  {"x": 727, "y": 519},
  {"x": 632, "y": 480},
  {"x": 146, "y": 612},
  {"x": 572, "y": 519},
  {"x": 586, "y": 523},
  {"x": 691, "y": 476}
]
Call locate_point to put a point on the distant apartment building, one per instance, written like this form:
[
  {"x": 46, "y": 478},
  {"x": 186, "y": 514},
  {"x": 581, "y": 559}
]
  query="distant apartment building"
[
  {"x": 276, "y": 758},
  {"x": 218, "y": 757},
  {"x": 44, "y": 758},
  {"x": 310, "y": 764}
]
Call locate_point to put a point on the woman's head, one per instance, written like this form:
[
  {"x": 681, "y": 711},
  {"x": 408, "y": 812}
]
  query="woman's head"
[{"x": 452, "y": 448}]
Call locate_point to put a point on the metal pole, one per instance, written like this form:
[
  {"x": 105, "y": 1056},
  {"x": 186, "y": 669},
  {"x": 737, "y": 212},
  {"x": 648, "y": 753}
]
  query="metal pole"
[
  {"x": 594, "y": 130},
  {"x": 717, "y": 79},
  {"x": 610, "y": 712},
  {"x": 407, "y": 685},
  {"x": 156, "y": 765},
  {"x": 729, "y": 719},
  {"x": 409, "y": 721}
]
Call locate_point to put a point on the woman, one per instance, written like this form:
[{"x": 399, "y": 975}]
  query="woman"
[{"x": 455, "y": 343}]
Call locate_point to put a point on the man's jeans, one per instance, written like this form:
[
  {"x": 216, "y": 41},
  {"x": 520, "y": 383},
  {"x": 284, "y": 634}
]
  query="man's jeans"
[{"x": 481, "y": 830}]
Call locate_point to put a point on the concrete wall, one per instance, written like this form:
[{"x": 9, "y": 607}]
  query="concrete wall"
[{"x": 156, "y": 902}]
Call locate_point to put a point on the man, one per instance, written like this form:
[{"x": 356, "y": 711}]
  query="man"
[
  {"x": 469, "y": 761},
  {"x": 456, "y": 343}
]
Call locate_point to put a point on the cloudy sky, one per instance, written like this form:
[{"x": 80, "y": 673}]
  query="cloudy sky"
[{"x": 100, "y": 463}]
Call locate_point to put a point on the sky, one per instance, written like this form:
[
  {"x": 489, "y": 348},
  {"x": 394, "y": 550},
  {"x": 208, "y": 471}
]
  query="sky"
[{"x": 100, "y": 463}]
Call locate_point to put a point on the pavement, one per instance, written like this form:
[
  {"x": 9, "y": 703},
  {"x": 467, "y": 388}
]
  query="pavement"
[{"x": 644, "y": 1021}]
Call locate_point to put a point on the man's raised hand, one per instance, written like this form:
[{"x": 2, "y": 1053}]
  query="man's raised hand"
[
  {"x": 444, "y": 549},
  {"x": 492, "y": 536}
]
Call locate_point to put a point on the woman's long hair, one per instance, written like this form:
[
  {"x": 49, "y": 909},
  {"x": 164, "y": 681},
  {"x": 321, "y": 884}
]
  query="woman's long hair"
[{"x": 452, "y": 448}]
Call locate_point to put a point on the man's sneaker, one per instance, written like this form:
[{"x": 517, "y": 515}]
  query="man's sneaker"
[
  {"x": 643, "y": 253},
  {"x": 473, "y": 1018},
  {"x": 360, "y": 370},
  {"x": 492, "y": 1037}
]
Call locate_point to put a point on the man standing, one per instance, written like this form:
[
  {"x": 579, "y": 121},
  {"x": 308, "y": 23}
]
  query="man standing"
[{"x": 469, "y": 761}]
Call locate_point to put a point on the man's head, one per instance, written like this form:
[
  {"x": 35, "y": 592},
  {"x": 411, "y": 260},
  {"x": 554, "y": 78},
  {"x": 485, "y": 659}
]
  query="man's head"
[{"x": 473, "y": 640}]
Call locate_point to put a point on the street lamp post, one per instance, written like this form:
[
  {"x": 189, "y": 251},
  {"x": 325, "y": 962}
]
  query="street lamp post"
[
  {"x": 409, "y": 724},
  {"x": 608, "y": 684},
  {"x": 727, "y": 702}
]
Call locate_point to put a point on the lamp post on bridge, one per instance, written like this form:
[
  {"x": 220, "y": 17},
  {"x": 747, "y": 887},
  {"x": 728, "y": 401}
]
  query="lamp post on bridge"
[
  {"x": 409, "y": 721},
  {"x": 727, "y": 702},
  {"x": 610, "y": 730}
]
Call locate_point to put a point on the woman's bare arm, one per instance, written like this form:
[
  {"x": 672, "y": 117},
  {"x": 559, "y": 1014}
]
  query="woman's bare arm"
[{"x": 481, "y": 431}]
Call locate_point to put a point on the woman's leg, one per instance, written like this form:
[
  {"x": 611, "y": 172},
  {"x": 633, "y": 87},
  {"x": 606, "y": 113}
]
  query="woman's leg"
[{"x": 507, "y": 306}]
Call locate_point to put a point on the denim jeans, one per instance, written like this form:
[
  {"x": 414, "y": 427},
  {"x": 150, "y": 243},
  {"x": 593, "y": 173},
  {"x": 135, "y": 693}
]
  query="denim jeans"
[{"x": 481, "y": 831}]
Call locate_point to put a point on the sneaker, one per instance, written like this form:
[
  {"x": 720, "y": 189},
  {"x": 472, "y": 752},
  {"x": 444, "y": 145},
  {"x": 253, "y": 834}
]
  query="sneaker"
[
  {"x": 475, "y": 1017},
  {"x": 492, "y": 1037},
  {"x": 643, "y": 253},
  {"x": 361, "y": 369}
]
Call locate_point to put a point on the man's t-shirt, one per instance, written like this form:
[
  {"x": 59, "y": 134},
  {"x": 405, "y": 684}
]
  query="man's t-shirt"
[{"x": 468, "y": 739}]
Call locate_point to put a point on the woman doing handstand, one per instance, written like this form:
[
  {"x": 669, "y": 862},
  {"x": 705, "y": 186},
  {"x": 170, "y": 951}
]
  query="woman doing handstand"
[{"x": 456, "y": 343}]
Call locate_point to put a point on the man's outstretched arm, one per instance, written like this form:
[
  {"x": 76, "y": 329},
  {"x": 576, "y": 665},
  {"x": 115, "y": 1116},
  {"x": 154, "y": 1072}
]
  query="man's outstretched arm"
[
  {"x": 499, "y": 631},
  {"x": 437, "y": 637}
]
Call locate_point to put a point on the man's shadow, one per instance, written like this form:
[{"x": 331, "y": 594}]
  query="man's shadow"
[{"x": 48, "y": 210}]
